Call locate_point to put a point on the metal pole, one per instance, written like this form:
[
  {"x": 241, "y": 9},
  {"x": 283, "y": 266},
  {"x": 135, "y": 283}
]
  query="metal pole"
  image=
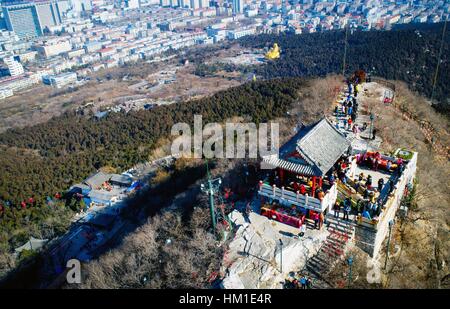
[
  {"x": 281, "y": 256},
  {"x": 391, "y": 223},
  {"x": 345, "y": 50},
  {"x": 211, "y": 198},
  {"x": 371, "y": 125},
  {"x": 350, "y": 263},
  {"x": 211, "y": 205},
  {"x": 438, "y": 62}
]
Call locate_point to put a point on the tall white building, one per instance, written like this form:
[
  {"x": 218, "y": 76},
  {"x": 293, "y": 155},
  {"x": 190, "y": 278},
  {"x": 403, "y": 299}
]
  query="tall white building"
[
  {"x": 14, "y": 67},
  {"x": 183, "y": 3},
  {"x": 194, "y": 4},
  {"x": 203, "y": 3},
  {"x": 238, "y": 6},
  {"x": 81, "y": 5},
  {"x": 132, "y": 4}
]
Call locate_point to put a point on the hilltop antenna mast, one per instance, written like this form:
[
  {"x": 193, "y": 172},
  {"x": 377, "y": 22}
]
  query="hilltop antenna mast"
[
  {"x": 211, "y": 187},
  {"x": 345, "y": 49},
  {"x": 438, "y": 62}
]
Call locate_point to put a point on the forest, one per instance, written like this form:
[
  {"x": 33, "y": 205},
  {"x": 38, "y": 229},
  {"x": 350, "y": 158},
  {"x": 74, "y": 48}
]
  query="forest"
[
  {"x": 409, "y": 53},
  {"x": 39, "y": 163}
]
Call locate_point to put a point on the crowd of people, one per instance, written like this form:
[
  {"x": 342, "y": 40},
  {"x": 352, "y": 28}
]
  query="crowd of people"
[
  {"x": 348, "y": 109},
  {"x": 299, "y": 281},
  {"x": 370, "y": 205},
  {"x": 298, "y": 183}
]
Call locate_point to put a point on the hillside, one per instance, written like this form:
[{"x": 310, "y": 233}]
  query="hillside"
[
  {"x": 39, "y": 161},
  {"x": 399, "y": 54},
  {"x": 422, "y": 237}
]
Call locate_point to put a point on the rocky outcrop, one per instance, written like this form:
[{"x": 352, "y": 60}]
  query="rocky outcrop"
[{"x": 254, "y": 256}]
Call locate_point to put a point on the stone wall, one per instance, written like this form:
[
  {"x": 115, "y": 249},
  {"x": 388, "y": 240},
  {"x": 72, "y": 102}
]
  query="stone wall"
[{"x": 369, "y": 239}]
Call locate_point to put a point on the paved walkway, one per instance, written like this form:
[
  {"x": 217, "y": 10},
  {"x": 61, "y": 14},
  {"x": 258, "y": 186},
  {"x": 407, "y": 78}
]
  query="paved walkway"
[{"x": 361, "y": 141}]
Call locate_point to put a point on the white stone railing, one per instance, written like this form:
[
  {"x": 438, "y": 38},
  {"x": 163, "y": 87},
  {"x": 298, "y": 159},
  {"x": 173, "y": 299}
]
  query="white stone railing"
[{"x": 288, "y": 198}]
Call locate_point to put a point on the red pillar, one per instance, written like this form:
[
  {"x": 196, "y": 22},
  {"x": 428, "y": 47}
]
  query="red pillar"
[
  {"x": 313, "y": 189},
  {"x": 281, "y": 174},
  {"x": 320, "y": 182}
]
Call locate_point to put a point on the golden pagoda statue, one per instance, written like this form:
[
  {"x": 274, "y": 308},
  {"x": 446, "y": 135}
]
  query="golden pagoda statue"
[{"x": 273, "y": 53}]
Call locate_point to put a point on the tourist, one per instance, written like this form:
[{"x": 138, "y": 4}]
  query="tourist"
[
  {"x": 359, "y": 206},
  {"x": 347, "y": 208},
  {"x": 302, "y": 229},
  {"x": 356, "y": 130},
  {"x": 337, "y": 209},
  {"x": 366, "y": 194},
  {"x": 248, "y": 208},
  {"x": 376, "y": 162},
  {"x": 303, "y": 282},
  {"x": 320, "y": 195},
  {"x": 332, "y": 179},
  {"x": 353, "y": 115},
  {"x": 361, "y": 176},
  {"x": 316, "y": 220},
  {"x": 380, "y": 184},
  {"x": 364, "y": 126},
  {"x": 357, "y": 185},
  {"x": 378, "y": 210},
  {"x": 366, "y": 214},
  {"x": 369, "y": 182},
  {"x": 373, "y": 197},
  {"x": 302, "y": 189},
  {"x": 309, "y": 283},
  {"x": 391, "y": 186},
  {"x": 321, "y": 220},
  {"x": 388, "y": 166},
  {"x": 369, "y": 208}
]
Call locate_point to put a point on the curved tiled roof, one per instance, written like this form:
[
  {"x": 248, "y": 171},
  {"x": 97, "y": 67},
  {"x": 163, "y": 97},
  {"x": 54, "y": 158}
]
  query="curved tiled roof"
[{"x": 322, "y": 145}]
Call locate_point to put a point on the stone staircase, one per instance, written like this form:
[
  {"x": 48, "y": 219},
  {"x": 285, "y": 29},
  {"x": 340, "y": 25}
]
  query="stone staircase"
[
  {"x": 333, "y": 249},
  {"x": 364, "y": 140}
]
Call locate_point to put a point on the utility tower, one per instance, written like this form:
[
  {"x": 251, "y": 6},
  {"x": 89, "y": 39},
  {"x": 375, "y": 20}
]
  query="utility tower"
[
  {"x": 211, "y": 187},
  {"x": 345, "y": 50}
]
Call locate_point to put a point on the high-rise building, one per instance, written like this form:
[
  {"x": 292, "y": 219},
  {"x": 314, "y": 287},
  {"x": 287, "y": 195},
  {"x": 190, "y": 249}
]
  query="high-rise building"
[
  {"x": 28, "y": 20},
  {"x": 132, "y": 4},
  {"x": 23, "y": 19},
  {"x": 49, "y": 14},
  {"x": 238, "y": 6},
  {"x": 195, "y": 4},
  {"x": 183, "y": 3},
  {"x": 63, "y": 7},
  {"x": 81, "y": 5},
  {"x": 14, "y": 67},
  {"x": 203, "y": 3}
]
